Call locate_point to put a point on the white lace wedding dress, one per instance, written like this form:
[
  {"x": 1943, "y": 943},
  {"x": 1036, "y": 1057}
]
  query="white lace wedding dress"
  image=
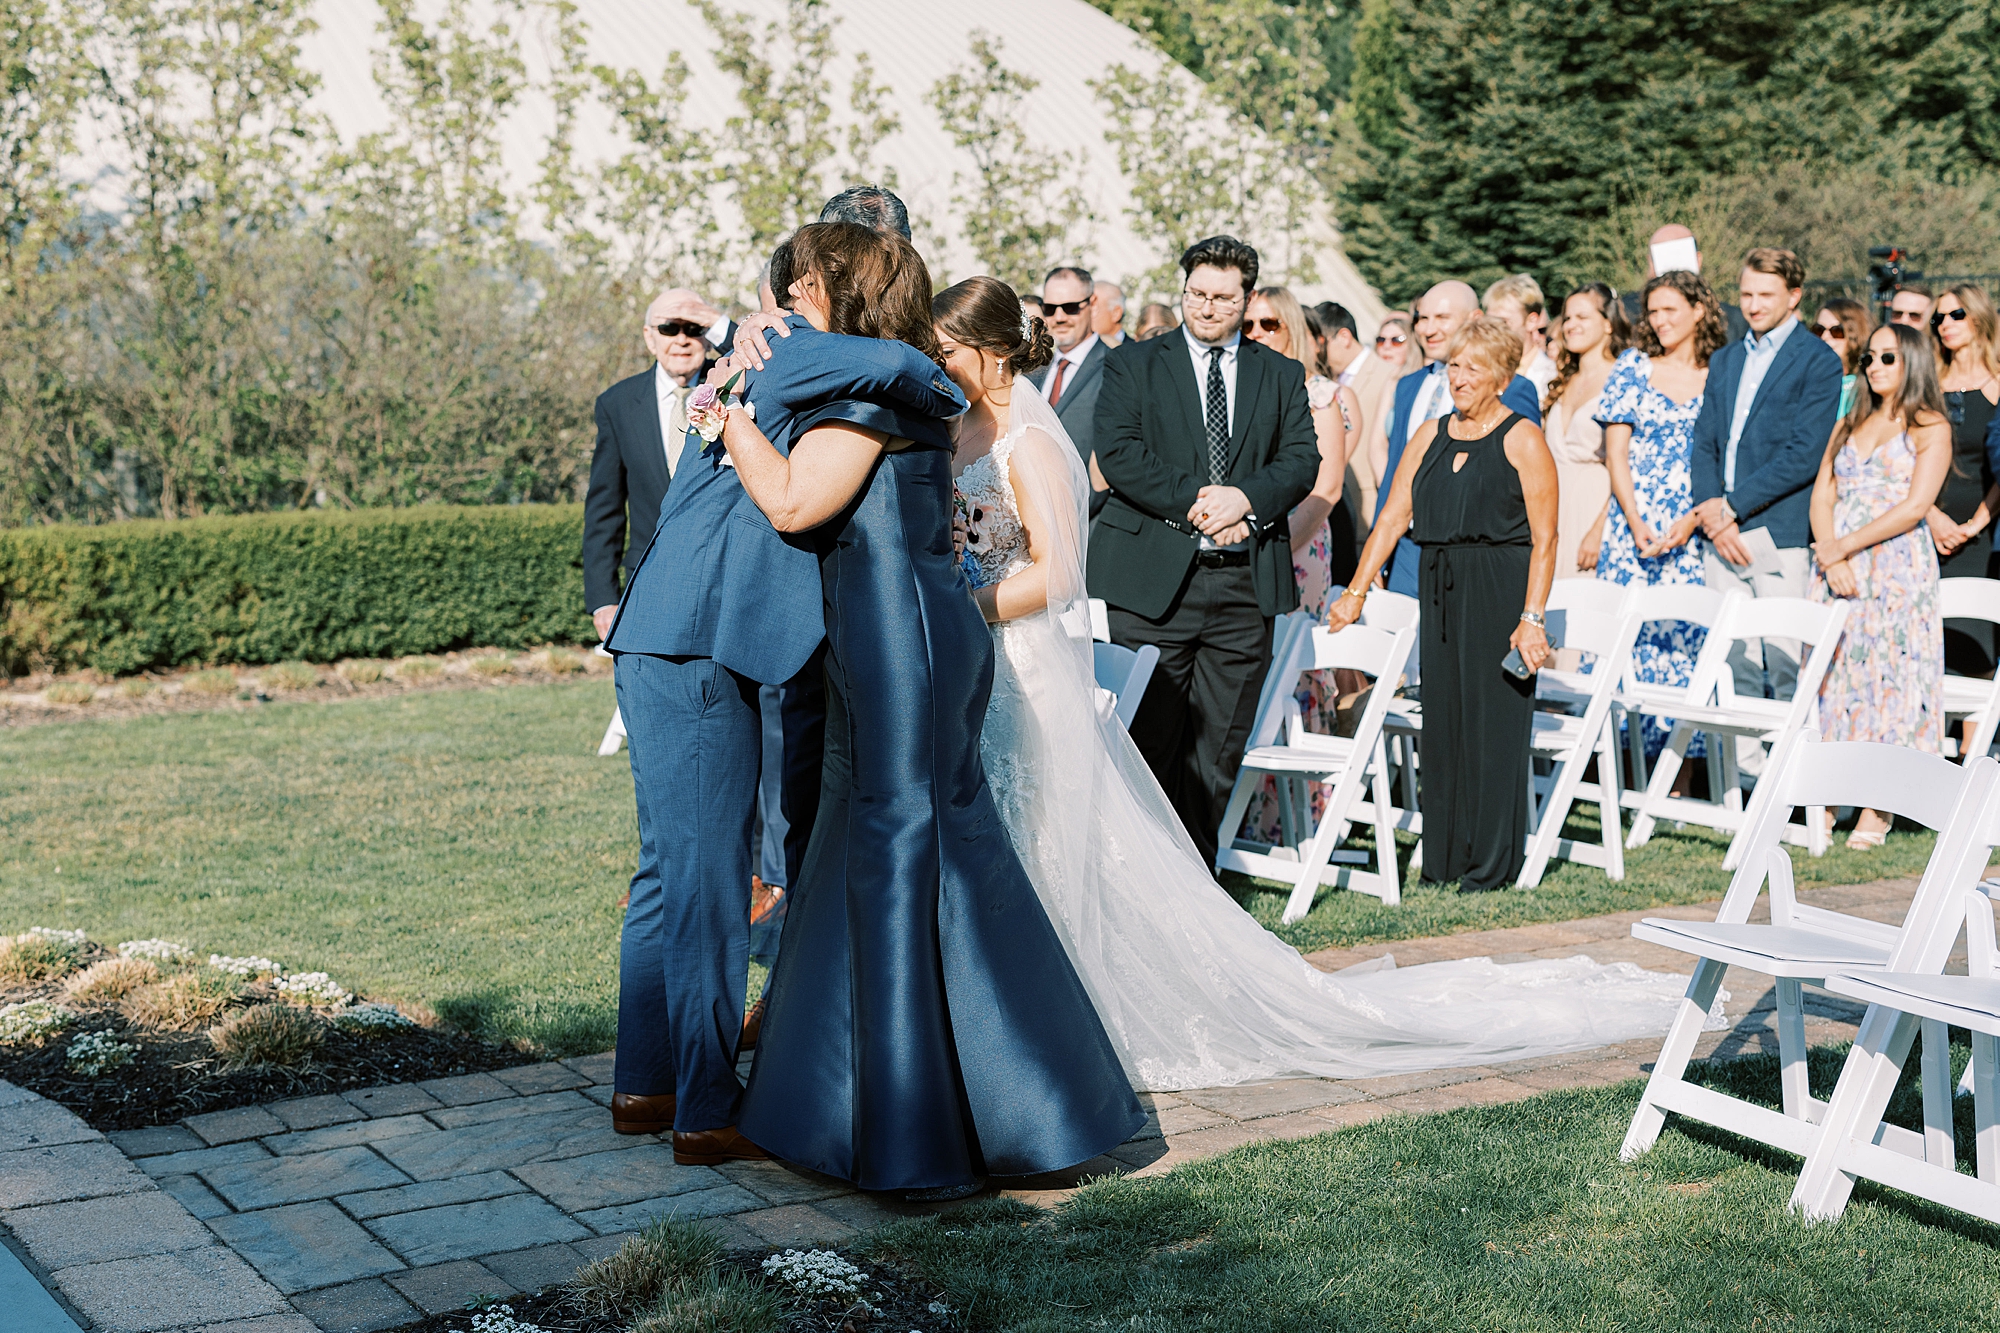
[{"x": 1192, "y": 990}]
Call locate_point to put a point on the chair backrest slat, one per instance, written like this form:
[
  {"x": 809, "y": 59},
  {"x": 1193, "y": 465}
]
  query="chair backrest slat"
[{"x": 1969, "y": 599}]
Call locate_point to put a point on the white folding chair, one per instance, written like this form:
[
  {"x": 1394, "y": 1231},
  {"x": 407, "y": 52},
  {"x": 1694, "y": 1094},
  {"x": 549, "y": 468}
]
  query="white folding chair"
[
  {"x": 1804, "y": 945},
  {"x": 1340, "y": 764},
  {"x": 1710, "y": 704},
  {"x": 1124, "y": 672},
  {"x": 1567, "y": 741},
  {"x": 1899, "y": 1005},
  {"x": 1100, "y": 622},
  {"x": 1403, "y": 729},
  {"x": 1968, "y": 698}
]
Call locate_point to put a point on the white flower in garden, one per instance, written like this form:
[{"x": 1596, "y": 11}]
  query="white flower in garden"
[
  {"x": 252, "y": 966},
  {"x": 313, "y": 988},
  {"x": 96, "y": 1053},
  {"x": 373, "y": 1017},
  {"x": 58, "y": 936},
  {"x": 160, "y": 951},
  {"x": 816, "y": 1273},
  {"x": 32, "y": 1020},
  {"x": 500, "y": 1319}
]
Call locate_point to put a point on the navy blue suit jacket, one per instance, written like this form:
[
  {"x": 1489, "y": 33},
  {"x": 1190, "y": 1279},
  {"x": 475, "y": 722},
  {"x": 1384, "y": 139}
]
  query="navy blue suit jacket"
[
  {"x": 1519, "y": 397},
  {"x": 718, "y": 580},
  {"x": 1784, "y": 438}
]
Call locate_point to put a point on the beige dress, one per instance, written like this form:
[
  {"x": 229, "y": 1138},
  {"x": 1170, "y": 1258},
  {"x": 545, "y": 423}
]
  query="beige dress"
[{"x": 1583, "y": 482}]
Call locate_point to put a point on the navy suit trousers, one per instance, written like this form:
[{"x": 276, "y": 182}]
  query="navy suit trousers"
[
  {"x": 683, "y": 960},
  {"x": 794, "y": 722}
]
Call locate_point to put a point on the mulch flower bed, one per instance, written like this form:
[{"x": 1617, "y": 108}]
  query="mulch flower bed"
[
  {"x": 145, "y": 1056},
  {"x": 900, "y": 1303}
]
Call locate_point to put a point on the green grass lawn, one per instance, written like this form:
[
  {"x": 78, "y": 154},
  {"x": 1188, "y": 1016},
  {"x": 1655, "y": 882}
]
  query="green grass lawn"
[
  {"x": 1511, "y": 1218},
  {"x": 466, "y": 850}
]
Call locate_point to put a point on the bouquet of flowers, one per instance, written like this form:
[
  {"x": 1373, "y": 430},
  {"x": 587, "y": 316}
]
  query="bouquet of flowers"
[{"x": 965, "y": 528}]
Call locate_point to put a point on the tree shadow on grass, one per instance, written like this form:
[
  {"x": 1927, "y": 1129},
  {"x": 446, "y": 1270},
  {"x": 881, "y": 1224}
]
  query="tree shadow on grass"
[{"x": 555, "y": 1028}]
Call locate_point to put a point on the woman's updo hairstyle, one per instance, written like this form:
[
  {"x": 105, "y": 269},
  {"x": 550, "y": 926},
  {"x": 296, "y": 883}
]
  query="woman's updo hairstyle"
[
  {"x": 874, "y": 282},
  {"x": 986, "y": 313}
]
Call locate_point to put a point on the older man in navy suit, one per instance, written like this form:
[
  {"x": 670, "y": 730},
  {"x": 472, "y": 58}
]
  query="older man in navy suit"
[{"x": 1425, "y": 396}]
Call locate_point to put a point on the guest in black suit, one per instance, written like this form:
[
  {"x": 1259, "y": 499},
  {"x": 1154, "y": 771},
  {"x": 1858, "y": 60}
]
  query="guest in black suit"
[
  {"x": 1071, "y": 382},
  {"x": 1206, "y": 440},
  {"x": 640, "y": 424}
]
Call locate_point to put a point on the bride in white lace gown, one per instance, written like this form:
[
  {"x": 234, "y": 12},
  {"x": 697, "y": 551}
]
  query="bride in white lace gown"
[{"x": 1192, "y": 990}]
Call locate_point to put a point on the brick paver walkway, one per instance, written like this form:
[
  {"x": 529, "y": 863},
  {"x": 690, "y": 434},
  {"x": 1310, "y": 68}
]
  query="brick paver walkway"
[{"x": 362, "y": 1211}]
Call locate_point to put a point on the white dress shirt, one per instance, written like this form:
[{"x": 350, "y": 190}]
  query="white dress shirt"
[
  {"x": 1541, "y": 372},
  {"x": 673, "y": 415},
  {"x": 1074, "y": 356},
  {"x": 1198, "y": 350},
  {"x": 1756, "y": 365},
  {"x": 1346, "y": 377},
  {"x": 1433, "y": 400}
]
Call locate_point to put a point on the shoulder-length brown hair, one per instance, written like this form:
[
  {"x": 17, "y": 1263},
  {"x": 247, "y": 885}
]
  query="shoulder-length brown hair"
[
  {"x": 875, "y": 283},
  {"x": 1985, "y": 326},
  {"x": 1855, "y": 324},
  {"x": 1918, "y": 403},
  {"x": 1710, "y": 333}
]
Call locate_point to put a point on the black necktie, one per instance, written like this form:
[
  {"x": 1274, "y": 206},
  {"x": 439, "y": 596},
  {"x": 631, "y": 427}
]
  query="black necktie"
[{"x": 1218, "y": 419}]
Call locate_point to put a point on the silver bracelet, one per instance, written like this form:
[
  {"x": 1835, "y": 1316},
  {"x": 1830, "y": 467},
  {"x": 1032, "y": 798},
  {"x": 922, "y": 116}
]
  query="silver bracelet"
[{"x": 1535, "y": 618}]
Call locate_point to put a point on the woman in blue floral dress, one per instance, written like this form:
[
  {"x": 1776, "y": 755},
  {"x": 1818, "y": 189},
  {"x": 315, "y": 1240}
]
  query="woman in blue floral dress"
[{"x": 1648, "y": 409}]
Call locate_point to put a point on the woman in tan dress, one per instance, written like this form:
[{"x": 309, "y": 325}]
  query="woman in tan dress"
[{"x": 1593, "y": 332}]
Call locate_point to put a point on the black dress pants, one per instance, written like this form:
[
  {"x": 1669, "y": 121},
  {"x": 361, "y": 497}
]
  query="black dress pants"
[{"x": 1193, "y": 724}]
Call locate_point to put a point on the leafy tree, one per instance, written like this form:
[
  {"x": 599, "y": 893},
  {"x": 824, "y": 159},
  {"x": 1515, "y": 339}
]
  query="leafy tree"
[
  {"x": 1496, "y": 134},
  {"x": 1021, "y": 209},
  {"x": 1197, "y": 171}
]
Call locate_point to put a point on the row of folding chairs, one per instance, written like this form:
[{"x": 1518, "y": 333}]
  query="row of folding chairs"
[{"x": 1898, "y": 970}]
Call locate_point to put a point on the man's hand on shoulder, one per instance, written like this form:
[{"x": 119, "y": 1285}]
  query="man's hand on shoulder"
[{"x": 751, "y": 347}]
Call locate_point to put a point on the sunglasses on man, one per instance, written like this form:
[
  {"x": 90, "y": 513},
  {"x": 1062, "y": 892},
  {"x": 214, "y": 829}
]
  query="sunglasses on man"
[
  {"x": 1937, "y": 320},
  {"x": 681, "y": 328},
  {"x": 1067, "y": 307}
]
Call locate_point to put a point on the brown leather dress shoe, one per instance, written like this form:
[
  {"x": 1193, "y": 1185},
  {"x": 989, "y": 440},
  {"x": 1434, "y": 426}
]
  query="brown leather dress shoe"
[
  {"x": 634, "y": 1114},
  {"x": 706, "y": 1147},
  {"x": 764, "y": 900},
  {"x": 753, "y": 1023}
]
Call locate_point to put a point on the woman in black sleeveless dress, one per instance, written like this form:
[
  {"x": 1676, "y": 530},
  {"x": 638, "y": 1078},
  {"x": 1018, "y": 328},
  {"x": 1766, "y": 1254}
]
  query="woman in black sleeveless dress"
[
  {"x": 1477, "y": 491},
  {"x": 1964, "y": 325}
]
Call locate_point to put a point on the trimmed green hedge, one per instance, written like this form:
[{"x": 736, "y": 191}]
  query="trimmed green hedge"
[{"x": 271, "y": 587}]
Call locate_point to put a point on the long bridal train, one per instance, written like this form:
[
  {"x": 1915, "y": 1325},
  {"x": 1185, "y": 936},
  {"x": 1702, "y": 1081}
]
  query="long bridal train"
[{"x": 1192, "y": 990}]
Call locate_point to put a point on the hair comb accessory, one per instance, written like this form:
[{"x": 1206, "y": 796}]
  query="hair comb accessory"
[{"x": 1027, "y": 326}]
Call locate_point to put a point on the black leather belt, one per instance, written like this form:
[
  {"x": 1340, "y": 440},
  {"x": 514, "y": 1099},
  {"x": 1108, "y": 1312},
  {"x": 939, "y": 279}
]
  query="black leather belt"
[{"x": 1222, "y": 559}]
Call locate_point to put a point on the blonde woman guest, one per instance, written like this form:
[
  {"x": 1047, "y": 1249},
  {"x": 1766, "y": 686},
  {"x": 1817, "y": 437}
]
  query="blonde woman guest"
[
  {"x": 1592, "y": 334},
  {"x": 1844, "y": 326},
  {"x": 1476, "y": 491},
  {"x": 1880, "y": 476},
  {"x": 1275, "y": 319},
  {"x": 1965, "y": 326}
]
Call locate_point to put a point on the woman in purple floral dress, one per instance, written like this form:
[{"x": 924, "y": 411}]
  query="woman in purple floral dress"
[{"x": 1881, "y": 474}]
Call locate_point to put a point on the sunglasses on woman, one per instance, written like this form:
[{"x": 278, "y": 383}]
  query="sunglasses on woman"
[
  {"x": 1393, "y": 339},
  {"x": 1831, "y": 332},
  {"x": 1267, "y": 324},
  {"x": 1937, "y": 320},
  {"x": 1870, "y": 358}
]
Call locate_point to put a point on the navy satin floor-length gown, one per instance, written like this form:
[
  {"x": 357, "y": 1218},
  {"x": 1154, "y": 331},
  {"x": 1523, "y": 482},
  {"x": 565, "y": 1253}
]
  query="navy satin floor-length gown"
[{"x": 925, "y": 1025}]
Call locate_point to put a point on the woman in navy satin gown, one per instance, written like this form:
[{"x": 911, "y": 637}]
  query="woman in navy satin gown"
[{"x": 925, "y": 1027}]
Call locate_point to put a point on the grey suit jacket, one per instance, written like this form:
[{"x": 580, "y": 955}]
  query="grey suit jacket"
[{"x": 1078, "y": 409}]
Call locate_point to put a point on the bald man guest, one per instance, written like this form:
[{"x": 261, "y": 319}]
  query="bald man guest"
[{"x": 1425, "y": 396}]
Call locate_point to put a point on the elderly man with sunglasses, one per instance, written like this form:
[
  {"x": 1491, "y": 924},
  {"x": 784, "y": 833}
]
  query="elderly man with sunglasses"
[
  {"x": 1070, "y": 383},
  {"x": 641, "y": 422}
]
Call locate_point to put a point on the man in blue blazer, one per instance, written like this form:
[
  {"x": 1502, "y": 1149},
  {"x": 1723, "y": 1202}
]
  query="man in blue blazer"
[
  {"x": 1424, "y": 396},
  {"x": 720, "y": 603},
  {"x": 1766, "y": 416}
]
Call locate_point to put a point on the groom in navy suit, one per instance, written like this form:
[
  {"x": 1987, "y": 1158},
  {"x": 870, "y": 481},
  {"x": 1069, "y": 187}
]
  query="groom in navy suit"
[
  {"x": 719, "y": 604},
  {"x": 1766, "y": 416}
]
